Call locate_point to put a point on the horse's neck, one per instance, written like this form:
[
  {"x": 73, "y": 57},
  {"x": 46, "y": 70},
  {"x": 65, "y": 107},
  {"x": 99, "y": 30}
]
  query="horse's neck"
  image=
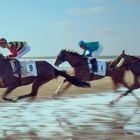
[
  {"x": 131, "y": 58},
  {"x": 72, "y": 60}
]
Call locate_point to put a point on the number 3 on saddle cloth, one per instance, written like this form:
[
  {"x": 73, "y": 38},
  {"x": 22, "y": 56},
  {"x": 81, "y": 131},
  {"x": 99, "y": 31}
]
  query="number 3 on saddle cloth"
[
  {"x": 97, "y": 67},
  {"x": 22, "y": 69}
]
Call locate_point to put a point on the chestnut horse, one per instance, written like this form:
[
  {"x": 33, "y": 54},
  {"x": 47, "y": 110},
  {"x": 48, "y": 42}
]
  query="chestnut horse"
[
  {"x": 81, "y": 70},
  {"x": 45, "y": 73},
  {"x": 131, "y": 63}
]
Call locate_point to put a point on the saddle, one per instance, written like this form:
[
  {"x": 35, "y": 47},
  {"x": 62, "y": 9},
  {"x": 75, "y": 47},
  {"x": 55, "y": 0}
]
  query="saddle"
[{"x": 97, "y": 67}]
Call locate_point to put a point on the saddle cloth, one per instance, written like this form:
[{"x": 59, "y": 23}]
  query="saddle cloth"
[
  {"x": 101, "y": 68},
  {"x": 28, "y": 68}
]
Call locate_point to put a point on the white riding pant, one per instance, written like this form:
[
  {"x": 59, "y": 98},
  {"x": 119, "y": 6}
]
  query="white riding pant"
[
  {"x": 23, "y": 51},
  {"x": 96, "y": 53}
]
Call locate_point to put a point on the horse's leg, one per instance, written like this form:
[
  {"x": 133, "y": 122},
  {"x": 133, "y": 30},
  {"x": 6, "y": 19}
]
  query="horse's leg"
[
  {"x": 126, "y": 93},
  {"x": 62, "y": 88},
  {"x": 36, "y": 84},
  {"x": 66, "y": 86},
  {"x": 59, "y": 89},
  {"x": 134, "y": 86},
  {"x": 8, "y": 90},
  {"x": 114, "y": 85},
  {"x": 118, "y": 98},
  {"x": 125, "y": 85}
]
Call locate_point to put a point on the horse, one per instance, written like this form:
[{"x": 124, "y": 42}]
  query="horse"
[
  {"x": 131, "y": 63},
  {"x": 45, "y": 73},
  {"x": 81, "y": 70}
]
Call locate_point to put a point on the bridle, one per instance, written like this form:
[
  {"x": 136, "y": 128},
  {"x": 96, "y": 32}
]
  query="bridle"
[{"x": 122, "y": 59}]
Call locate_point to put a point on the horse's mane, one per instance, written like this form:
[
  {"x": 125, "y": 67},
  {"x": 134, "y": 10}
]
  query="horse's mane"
[
  {"x": 133, "y": 57},
  {"x": 72, "y": 52}
]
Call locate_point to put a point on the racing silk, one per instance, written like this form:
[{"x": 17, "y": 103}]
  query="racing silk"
[
  {"x": 90, "y": 47},
  {"x": 14, "y": 47}
]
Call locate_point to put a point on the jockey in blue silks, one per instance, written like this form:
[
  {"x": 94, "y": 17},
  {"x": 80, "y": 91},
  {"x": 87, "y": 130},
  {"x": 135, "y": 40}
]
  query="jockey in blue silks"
[{"x": 91, "y": 50}]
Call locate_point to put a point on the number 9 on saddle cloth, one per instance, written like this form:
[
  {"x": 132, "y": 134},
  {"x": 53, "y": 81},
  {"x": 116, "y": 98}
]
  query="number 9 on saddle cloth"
[{"x": 23, "y": 69}]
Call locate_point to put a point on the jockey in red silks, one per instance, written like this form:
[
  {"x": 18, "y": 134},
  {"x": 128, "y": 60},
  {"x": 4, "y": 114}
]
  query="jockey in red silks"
[{"x": 17, "y": 48}]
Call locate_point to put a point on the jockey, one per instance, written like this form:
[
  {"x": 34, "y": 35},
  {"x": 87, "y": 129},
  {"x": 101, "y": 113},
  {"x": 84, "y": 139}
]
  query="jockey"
[
  {"x": 91, "y": 50},
  {"x": 17, "y": 48}
]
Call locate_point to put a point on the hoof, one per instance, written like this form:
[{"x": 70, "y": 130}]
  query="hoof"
[
  {"x": 15, "y": 99},
  {"x": 55, "y": 96},
  {"x": 7, "y": 99}
]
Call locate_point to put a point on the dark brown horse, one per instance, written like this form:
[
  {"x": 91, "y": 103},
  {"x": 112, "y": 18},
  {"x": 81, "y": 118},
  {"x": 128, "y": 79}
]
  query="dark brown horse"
[
  {"x": 131, "y": 63},
  {"x": 45, "y": 73},
  {"x": 81, "y": 69}
]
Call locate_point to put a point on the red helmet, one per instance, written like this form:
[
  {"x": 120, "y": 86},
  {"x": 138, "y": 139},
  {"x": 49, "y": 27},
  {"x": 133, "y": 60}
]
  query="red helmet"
[{"x": 3, "y": 41}]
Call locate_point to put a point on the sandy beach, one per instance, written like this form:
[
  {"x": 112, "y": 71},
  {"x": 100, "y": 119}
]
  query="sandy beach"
[
  {"x": 79, "y": 114},
  {"x": 48, "y": 89}
]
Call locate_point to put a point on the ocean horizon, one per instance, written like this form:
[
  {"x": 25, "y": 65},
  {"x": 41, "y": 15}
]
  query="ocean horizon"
[{"x": 54, "y": 57}]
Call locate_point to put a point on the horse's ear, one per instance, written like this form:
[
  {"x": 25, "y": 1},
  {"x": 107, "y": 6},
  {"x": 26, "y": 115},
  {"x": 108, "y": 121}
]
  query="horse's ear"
[
  {"x": 63, "y": 50},
  {"x": 123, "y": 52}
]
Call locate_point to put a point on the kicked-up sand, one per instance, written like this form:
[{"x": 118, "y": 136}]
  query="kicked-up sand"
[{"x": 79, "y": 114}]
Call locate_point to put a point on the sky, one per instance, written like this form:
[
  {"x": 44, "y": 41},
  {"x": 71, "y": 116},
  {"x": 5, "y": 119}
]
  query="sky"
[{"x": 51, "y": 25}]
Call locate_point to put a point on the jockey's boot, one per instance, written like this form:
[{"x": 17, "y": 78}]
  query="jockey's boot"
[
  {"x": 17, "y": 67},
  {"x": 94, "y": 64},
  {"x": 18, "y": 70}
]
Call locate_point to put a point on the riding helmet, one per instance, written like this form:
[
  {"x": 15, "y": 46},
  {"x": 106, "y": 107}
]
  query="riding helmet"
[{"x": 81, "y": 43}]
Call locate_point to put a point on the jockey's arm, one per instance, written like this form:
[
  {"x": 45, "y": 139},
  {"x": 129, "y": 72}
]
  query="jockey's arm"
[{"x": 13, "y": 52}]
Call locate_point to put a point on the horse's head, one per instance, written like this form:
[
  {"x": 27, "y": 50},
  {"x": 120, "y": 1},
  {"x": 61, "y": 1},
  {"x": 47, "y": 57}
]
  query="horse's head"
[
  {"x": 123, "y": 60},
  {"x": 60, "y": 58},
  {"x": 66, "y": 55},
  {"x": 119, "y": 61}
]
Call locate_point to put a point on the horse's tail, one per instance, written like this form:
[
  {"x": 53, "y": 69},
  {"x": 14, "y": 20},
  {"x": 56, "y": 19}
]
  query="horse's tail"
[{"x": 72, "y": 79}]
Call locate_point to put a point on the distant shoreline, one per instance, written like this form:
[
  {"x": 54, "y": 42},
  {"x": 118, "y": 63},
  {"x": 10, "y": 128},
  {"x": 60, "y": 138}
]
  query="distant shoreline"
[{"x": 54, "y": 57}]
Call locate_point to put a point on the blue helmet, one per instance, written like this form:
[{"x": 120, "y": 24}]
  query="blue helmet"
[{"x": 81, "y": 43}]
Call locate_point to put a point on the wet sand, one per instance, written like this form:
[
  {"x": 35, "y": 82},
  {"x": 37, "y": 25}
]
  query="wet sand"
[{"x": 80, "y": 114}]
